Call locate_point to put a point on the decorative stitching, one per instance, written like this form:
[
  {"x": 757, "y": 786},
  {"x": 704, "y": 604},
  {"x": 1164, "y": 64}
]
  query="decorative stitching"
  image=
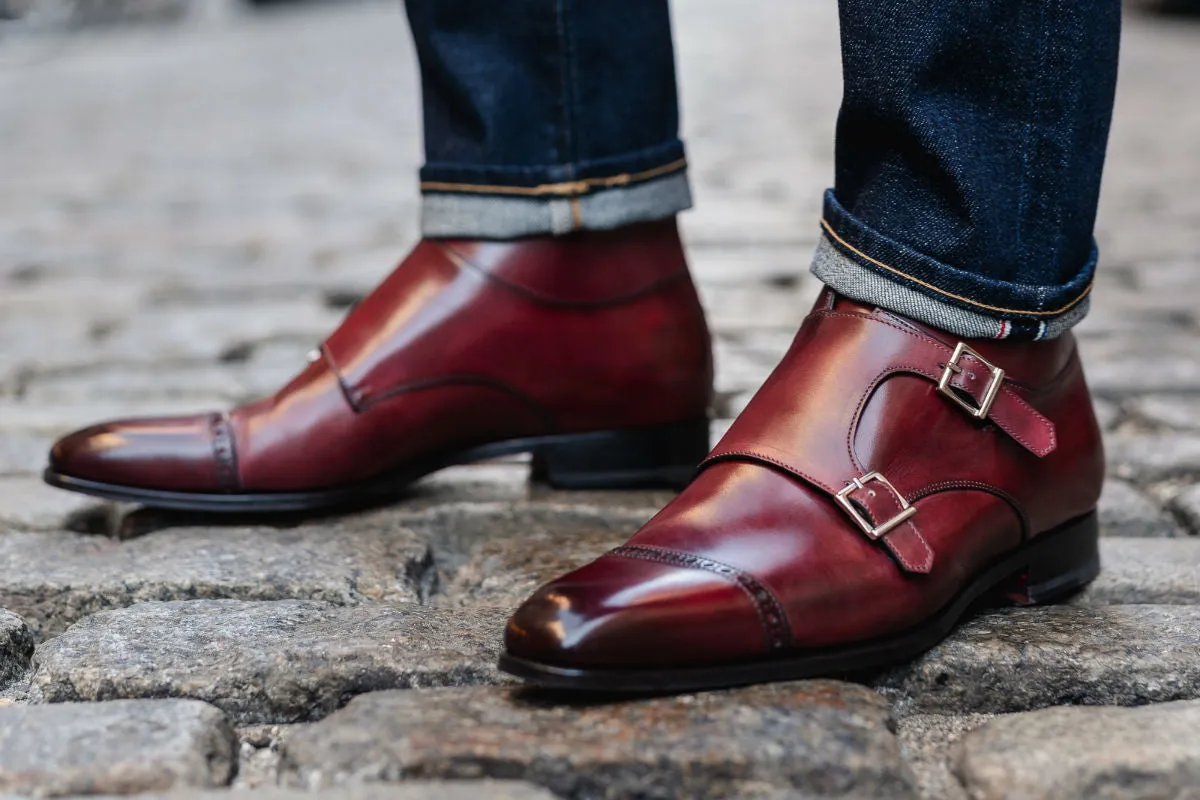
[
  {"x": 361, "y": 403},
  {"x": 754, "y": 455},
  {"x": 224, "y": 452},
  {"x": 770, "y": 611},
  {"x": 829, "y": 230},
  {"x": 564, "y": 189},
  {"x": 994, "y": 491},
  {"x": 899, "y": 554},
  {"x": 462, "y": 262}
]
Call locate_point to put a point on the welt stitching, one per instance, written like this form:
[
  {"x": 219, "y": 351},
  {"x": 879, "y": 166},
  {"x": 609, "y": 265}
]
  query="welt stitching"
[
  {"x": 995, "y": 491},
  {"x": 450, "y": 381},
  {"x": 658, "y": 283},
  {"x": 868, "y": 318},
  {"x": 731, "y": 455},
  {"x": 766, "y": 604},
  {"x": 829, "y": 230}
]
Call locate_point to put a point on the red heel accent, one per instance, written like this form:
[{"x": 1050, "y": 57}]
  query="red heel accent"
[{"x": 1061, "y": 562}]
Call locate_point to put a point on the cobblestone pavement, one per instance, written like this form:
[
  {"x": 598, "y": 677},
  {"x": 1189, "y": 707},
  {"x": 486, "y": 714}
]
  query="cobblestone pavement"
[{"x": 185, "y": 210}]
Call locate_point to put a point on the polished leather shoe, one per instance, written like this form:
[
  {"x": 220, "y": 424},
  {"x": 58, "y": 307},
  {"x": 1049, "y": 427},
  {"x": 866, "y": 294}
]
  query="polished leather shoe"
[
  {"x": 884, "y": 479},
  {"x": 589, "y": 351}
]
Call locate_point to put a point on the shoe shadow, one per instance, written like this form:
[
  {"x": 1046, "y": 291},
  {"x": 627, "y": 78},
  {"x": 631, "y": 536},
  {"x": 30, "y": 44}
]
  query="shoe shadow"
[{"x": 124, "y": 522}]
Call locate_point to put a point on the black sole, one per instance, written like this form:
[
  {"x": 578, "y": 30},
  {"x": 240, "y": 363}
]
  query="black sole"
[
  {"x": 1049, "y": 568},
  {"x": 661, "y": 456}
]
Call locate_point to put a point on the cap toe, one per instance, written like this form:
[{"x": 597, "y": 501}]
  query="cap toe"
[{"x": 172, "y": 453}]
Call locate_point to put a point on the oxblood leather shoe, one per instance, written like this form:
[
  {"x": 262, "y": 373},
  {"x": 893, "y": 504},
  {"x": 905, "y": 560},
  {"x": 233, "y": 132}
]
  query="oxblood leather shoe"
[
  {"x": 883, "y": 479},
  {"x": 588, "y": 350}
]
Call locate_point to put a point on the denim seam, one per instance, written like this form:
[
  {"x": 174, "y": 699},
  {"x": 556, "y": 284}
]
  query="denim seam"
[
  {"x": 1034, "y": 96},
  {"x": 844, "y": 244},
  {"x": 571, "y": 80},
  {"x": 563, "y": 189},
  {"x": 566, "y": 107}
]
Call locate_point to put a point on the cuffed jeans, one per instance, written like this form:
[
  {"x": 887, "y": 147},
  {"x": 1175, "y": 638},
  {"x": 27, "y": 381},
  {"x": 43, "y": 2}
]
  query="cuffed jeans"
[{"x": 970, "y": 142}]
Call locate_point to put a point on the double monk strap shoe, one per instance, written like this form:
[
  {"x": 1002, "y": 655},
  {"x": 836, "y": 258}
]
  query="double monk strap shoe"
[
  {"x": 589, "y": 351},
  {"x": 885, "y": 480}
]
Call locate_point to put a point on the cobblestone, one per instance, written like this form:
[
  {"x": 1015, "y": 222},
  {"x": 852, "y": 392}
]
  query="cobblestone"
[
  {"x": 1025, "y": 659},
  {"x": 184, "y": 212},
  {"x": 929, "y": 743},
  {"x": 16, "y": 647},
  {"x": 822, "y": 738},
  {"x": 30, "y": 505},
  {"x": 1111, "y": 753},
  {"x": 1187, "y": 504},
  {"x": 1127, "y": 511},
  {"x": 55, "y": 579},
  {"x": 125, "y": 747},
  {"x": 414, "y": 790},
  {"x": 1178, "y": 412},
  {"x": 1154, "y": 456},
  {"x": 273, "y": 662},
  {"x": 1137, "y": 571}
]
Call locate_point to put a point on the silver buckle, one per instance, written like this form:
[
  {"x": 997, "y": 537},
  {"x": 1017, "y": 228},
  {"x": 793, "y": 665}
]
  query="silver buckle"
[
  {"x": 873, "y": 532},
  {"x": 952, "y": 369}
]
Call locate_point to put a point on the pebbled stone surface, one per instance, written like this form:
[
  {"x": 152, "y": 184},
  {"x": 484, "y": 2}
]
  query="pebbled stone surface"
[
  {"x": 815, "y": 738},
  {"x": 53, "y": 580},
  {"x": 124, "y": 747},
  {"x": 270, "y": 662},
  {"x": 1025, "y": 659},
  {"x": 1125, "y": 510},
  {"x": 1100, "y": 753},
  {"x": 16, "y": 648},
  {"x": 1158, "y": 571}
]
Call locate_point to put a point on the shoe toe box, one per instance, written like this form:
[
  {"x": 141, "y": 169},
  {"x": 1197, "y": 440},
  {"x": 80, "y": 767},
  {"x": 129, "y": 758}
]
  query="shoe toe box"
[
  {"x": 629, "y": 613},
  {"x": 174, "y": 454}
]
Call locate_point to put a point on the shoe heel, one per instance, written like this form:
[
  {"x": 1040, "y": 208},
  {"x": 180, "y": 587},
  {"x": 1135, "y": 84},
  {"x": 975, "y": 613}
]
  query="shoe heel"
[
  {"x": 1061, "y": 563},
  {"x": 663, "y": 455}
]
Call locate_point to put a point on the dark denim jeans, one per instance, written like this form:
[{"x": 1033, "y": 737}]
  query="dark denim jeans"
[
  {"x": 543, "y": 103},
  {"x": 970, "y": 143},
  {"x": 969, "y": 152}
]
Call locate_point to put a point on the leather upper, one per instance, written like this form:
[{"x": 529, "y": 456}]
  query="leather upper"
[
  {"x": 465, "y": 343},
  {"x": 759, "y": 555}
]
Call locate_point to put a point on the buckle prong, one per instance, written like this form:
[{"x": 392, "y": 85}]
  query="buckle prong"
[
  {"x": 954, "y": 368},
  {"x": 873, "y": 532}
]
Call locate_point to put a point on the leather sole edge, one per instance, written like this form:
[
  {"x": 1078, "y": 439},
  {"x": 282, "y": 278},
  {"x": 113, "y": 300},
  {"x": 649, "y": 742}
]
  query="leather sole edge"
[{"x": 659, "y": 456}]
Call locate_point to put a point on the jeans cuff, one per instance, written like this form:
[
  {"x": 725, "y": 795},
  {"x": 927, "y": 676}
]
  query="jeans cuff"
[
  {"x": 867, "y": 266},
  {"x": 501, "y": 216},
  {"x": 848, "y": 277}
]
